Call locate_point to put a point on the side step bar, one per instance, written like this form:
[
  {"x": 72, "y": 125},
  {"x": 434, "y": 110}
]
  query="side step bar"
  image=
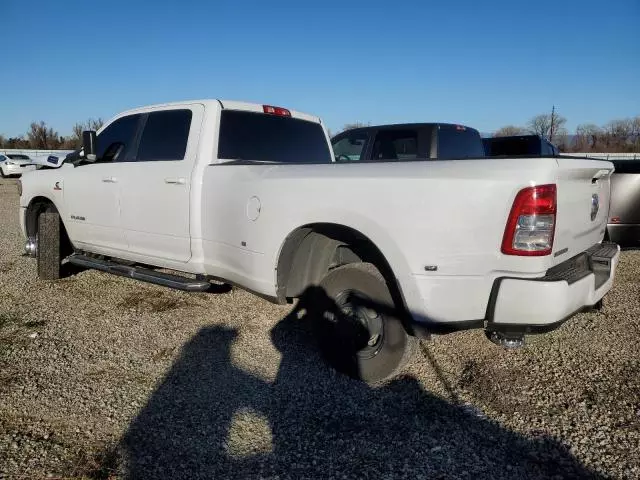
[{"x": 139, "y": 273}]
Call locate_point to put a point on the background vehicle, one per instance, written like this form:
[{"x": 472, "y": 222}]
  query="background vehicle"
[
  {"x": 14, "y": 164},
  {"x": 624, "y": 215},
  {"x": 379, "y": 252},
  {"x": 408, "y": 141},
  {"x": 531, "y": 145}
]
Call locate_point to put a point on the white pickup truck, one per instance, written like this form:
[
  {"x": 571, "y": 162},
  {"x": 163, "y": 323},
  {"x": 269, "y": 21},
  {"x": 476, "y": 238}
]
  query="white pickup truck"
[{"x": 379, "y": 252}]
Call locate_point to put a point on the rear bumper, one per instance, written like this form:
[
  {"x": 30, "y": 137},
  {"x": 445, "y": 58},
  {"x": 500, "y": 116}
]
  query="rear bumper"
[
  {"x": 523, "y": 305},
  {"x": 627, "y": 235},
  {"x": 542, "y": 304}
]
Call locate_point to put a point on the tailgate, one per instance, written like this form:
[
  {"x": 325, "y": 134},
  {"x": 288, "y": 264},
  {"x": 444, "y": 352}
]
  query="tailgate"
[{"x": 583, "y": 205}]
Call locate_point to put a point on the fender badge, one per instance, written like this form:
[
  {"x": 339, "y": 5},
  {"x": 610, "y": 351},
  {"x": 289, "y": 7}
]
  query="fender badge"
[{"x": 57, "y": 186}]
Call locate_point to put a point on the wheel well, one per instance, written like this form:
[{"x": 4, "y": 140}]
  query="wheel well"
[
  {"x": 35, "y": 208},
  {"x": 311, "y": 251}
]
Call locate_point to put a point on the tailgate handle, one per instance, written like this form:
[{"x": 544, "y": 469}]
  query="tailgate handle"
[{"x": 600, "y": 174}]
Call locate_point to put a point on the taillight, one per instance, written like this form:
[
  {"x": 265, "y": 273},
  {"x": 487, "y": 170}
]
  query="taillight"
[
  {"x": 532, "y": 222},
  {"x": 276, "y": 111}
]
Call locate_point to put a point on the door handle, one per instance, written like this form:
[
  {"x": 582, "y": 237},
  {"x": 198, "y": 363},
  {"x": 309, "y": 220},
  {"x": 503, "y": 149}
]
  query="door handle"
[
  {"x": 110, "y": 180},
  {"x": 175, "y": 181}
]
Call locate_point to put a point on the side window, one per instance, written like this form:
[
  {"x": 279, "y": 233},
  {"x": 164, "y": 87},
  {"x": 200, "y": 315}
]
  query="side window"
[
  {"x": 115, "y": 139},
  {"x": 396, "y": 145},
  {"x": 2, "y": 158},
  {"x": 165, "y": 136},
  {"x": 351, "y": 147}
]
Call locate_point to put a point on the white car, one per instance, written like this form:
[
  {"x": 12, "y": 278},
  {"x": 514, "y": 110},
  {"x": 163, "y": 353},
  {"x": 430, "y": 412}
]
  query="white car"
[
  {"x": 378, "y": 252},
  {"x": 14, "y": 164}
]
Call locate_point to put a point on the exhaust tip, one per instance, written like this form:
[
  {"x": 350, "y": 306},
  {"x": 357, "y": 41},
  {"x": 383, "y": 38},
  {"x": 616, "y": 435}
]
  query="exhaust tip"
[
  {"x": 31, "y": 247},
  {"x": 509, "y": 341}
]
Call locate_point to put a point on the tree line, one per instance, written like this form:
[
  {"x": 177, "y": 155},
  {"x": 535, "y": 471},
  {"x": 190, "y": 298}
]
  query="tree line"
[
  {"x": 42, "y": 137},
  {"x": 617, "y": 136}
]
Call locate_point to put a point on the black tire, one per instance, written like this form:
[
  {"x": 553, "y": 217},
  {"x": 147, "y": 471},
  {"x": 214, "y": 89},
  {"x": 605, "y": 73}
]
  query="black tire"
[
  {"x": 2, "y": 173},
  {"x": 49, "y": 253},
  {"x": 346, "y": 344}
]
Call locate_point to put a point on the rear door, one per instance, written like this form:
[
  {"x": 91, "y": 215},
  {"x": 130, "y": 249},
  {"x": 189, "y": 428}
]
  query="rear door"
[
  {"x": 155, "y": 198},
  {"x": 584, "y": 188}
]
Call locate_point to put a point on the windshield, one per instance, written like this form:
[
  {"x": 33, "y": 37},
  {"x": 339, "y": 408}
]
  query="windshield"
[{"x": 17, "y": 156}]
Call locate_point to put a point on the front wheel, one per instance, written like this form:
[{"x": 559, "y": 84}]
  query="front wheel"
[
  {"x": 360, "y": 331},
  {"x": 2, "y": 173},
  {"x": 49, "y": 246}
]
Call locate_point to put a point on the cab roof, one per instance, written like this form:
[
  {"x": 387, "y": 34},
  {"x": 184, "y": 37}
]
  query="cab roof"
[{"x": 223, "y": 104}]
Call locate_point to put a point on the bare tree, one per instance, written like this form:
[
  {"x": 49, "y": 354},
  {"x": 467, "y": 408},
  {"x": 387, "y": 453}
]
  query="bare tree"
[
  {"x": 16, "y": 142},
  {"x": 41, "y": 136},
  {"x": 635, "y": 134},
  {"x": 548, "y": 125},
  {"x": 75, "y": 141},
  {"x": 509, "y": 131},
  {"x": 588, "y": 138},
  {"x": 618, "y": 134},
  {"x": 2, "y": 140}
]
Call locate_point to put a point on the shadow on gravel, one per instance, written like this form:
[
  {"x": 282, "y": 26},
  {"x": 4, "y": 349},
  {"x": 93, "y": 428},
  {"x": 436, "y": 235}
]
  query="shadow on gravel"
[{"x": 204, "y": 421}]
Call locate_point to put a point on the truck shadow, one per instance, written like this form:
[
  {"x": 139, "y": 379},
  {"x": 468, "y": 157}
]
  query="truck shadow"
[{"x": 210, "y": 419}]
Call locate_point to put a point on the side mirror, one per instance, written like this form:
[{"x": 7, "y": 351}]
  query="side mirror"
[{"x": 89, "y": 145}]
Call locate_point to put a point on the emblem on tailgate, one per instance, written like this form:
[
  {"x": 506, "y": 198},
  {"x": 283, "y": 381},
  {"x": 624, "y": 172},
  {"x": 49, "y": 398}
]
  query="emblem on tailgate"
[{"x": 595, "y": 206}]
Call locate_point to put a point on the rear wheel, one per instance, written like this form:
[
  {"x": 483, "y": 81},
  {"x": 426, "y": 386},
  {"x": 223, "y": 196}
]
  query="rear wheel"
[
  {"x": 360, "y": 331},
  {"x": 49, "y": 246}
]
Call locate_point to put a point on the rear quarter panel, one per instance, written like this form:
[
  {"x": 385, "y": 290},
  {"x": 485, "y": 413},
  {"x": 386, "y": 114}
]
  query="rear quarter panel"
[{"x": 446, "y": 214}]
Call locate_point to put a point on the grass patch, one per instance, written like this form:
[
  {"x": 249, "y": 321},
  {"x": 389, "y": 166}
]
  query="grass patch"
[
  {"x": 13, "y": 330},
  {"x": 6, "y": 267},
  {"x": 154, "y": 304},
  {"x": 9, "y": 318}
]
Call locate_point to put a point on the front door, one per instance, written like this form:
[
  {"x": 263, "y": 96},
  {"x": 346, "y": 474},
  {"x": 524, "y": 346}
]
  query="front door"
[
  {"x": 156, "y": 188},
  {"x": 92, "y": 190}
]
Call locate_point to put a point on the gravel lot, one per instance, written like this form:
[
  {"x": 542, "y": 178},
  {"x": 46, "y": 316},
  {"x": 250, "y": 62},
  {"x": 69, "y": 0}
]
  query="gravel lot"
[{"x": 104, "y": 377}]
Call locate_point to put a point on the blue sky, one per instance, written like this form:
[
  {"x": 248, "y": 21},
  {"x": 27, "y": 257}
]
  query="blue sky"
[{"x": 485, "y": 64}]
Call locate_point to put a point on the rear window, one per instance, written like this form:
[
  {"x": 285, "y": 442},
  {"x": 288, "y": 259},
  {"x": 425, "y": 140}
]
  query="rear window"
[
  {"x": 271, "y": 138},
  {"x": 513, "y": 146},
  {"x": 459, "y": 142},
  {"x": 17, "y": 156},
  {"x": 627, "y": 166}
]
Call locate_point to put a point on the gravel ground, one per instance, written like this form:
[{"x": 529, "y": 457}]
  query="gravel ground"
[{"x": 103, "y": 377}]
